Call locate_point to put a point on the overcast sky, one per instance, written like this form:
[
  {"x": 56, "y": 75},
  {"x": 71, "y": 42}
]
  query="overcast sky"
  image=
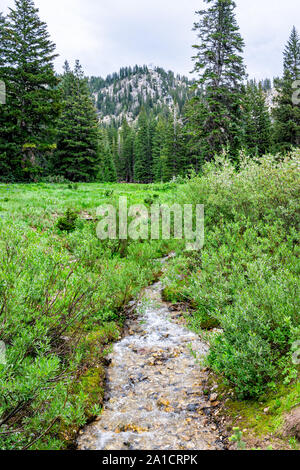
[{"x": 108, "y": 34}]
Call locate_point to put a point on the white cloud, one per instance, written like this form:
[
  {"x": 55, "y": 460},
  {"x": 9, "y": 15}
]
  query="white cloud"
[{"x": 105, "y": 35}]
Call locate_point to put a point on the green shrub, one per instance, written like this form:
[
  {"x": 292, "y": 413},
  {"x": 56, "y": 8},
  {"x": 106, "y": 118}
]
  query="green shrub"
[
  {"x": 151, "y": 199},
  {"x": 73, "y": 186},
  {"x": 247, "y": 279},
  {"x": 67, "y": 223}
]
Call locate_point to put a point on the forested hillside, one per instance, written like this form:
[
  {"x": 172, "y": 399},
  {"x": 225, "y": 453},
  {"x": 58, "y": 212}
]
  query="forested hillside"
[
  {"x": 124, "y": 94},
  {"x": 142, "y": 124}
]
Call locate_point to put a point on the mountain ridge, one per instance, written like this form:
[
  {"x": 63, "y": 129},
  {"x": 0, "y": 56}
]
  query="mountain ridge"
[{"x": 124, "y": 94}]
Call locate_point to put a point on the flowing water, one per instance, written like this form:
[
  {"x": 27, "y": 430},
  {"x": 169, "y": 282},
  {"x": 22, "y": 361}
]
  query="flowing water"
[{"x": 154, "y": 397}]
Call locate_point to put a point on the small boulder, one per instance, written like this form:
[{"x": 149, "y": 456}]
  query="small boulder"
[
  {"x": 193, "y": 407},
  {"x": 292, "y": 424},
  {"x": 162, "y": 402}
]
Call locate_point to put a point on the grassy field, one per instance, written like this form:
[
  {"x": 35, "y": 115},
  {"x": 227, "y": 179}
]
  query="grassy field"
[
  {"x": 63, "y": 294},
  {"x": 62, "y": 304}
]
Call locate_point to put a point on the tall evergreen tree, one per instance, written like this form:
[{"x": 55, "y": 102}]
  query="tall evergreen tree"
[
  {"x": 220, "y": 66},
  {"x": 291, "y": 55},
  {"x": 67, "y": 83},
  {"x": 286, "y": 112},
  {"x": 126, "y": 156},
  {"x": 172, "y": 152},
  {"x": 2, "y": 43},
  {"x": 157, "y": 149},
  {"x": 77, "y": 156},
  {"x": 195, "y": 146},
  {"x": 107, "y": 169},
  {"x": 257, "y": 137},
  {"x": 143, "y": 151},
  {"x": 4, "y": 160},
  {"x": 32, "y": 96}
]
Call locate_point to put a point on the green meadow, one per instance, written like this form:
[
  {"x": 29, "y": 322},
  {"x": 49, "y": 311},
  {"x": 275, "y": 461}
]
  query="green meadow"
[
  {"x": 62, "y": 303},
  {"x": 64, "y": 292}
]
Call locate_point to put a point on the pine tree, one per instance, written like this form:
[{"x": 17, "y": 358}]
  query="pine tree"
[
  {"x": 126, "y": 156},
  {"x": 292, "y": 55},
  {"x": 4, "y": 160},
  {"x": 286, "y": 112},
  {"x": 157, "y": 149},
  {"x": 32, "y": 96},
  {"x": 77, "y": 156},
  {"x": 221, "y": 69},
  {"x": 143, "y": 151},
  {"x": 171, "y": 155},
  {"x": 2, "y": 44},
  {"x": 66, "y": 85},
  {"x": 257, "y": 137},
  {"x": 107, "y": 169},
  {"x": 196, "y": 149}
]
